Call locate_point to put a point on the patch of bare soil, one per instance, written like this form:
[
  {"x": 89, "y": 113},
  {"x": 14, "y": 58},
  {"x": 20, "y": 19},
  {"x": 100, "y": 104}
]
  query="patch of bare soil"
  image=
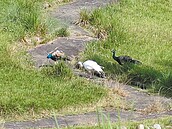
[{"x": 143, "y": 105}]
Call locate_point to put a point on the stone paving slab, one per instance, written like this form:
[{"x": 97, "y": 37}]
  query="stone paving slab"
[{"x": 71, "y": 47}]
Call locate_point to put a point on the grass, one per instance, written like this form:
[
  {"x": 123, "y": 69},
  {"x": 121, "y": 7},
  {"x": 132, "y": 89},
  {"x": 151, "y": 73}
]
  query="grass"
[
  {"x": 131, "y": 30},
  {"x": 140, "y": 29},
  {"x": 62, "y": 32},
  {"x": 163, "y": 122},
  {"x": 24, "y": 89},
  {"x": 104, "y": 122}
]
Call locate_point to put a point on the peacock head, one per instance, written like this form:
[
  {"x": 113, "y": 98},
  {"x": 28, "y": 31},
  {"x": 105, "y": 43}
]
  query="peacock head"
[
  {"x": 113, "y": 51},
  {"x": 49, "y": 56},
  {"x": 79, "y": 65}
]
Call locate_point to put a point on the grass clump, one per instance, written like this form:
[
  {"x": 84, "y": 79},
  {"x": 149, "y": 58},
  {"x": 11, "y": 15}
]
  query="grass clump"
[
  {"x": 21, "y": 17},
  {"x": 61, "y": 69},
  {"x": 24, "y": 89},
  {"x": 63, "y": 32},
  {"x": 140, "y": 29}
]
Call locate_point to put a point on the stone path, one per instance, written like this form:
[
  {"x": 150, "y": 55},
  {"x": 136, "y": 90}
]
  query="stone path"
[
  {"x": 67, "y": 15},
  {"x": 83, "y": 119},
  {"x": 72, "y": 46}
]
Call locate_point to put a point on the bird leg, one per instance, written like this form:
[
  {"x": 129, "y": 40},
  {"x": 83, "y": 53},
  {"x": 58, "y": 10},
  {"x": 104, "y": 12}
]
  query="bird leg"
[{"x": 91, "y": 73}]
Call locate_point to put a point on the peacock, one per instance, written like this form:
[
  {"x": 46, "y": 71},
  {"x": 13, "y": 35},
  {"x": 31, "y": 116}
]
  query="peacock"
[
  {"x": 92, "y": 68},
  {"x": 57, "y": 55},
  {"x": 124, "y": 59}
]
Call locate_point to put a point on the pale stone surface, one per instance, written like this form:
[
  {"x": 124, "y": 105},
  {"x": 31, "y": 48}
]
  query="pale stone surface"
[
  {"x": 141, "y": 126},
  {"x": 157, "y": 126},
  {"x": 123, "y": 127}
]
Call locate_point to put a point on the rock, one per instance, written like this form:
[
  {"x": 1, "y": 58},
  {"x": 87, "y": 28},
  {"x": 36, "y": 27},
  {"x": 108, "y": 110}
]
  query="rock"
[
  {"x": 46, "y": 5},
  {"x": 123, "y": 127},
  {"x": 35, "y": 40},
  {"x": 141, "y": 126},
  {"x": 156, "y": 126}
]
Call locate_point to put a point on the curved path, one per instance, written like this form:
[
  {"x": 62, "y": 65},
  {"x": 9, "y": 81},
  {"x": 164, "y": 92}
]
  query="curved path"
[
  {"x": 72, "y": 45},
  {"x": 67, "y": 15}
]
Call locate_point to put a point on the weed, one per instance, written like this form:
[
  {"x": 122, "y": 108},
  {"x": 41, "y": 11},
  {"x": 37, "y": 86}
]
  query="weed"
[
  {"x": 84, "y": 17},
  {"x": 60, "y": 69},
  {"x": 56, "y": 122},
  {"x": 166, "y": 83},
  {"x": 63, "y": 32}
]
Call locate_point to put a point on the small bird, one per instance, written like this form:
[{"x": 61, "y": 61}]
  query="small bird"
[
  {"x": 57, "y": 55},
  {"x": 124, "y": 59},
  {"x": 92, "y": 67}
]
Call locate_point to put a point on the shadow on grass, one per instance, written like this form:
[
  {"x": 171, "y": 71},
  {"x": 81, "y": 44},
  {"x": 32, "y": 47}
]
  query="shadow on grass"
[
  {"x": 166, "y": 78},
  {"x": 141, "y": 76},
  {"x": 144, "y": 76},
  {"x": 166, "y": 84},
  {"x": 138, "y": 75},
  {"x": 164, "y": 63}
]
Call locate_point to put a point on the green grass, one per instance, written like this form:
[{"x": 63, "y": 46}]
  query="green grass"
[
  {"x": 142, "y": 30},
  {"x": 21, "y": 17},
  {"x": 23, "y": 88},
  {"x": 163, "y": 122},
  {"x": 61, "y": 32},
  {"x": 104, "y": 122}
]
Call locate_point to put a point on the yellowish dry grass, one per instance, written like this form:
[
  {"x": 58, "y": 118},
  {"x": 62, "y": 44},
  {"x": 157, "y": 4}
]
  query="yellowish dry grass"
[
  {"x": 114, "y": 99},
  {"x": 155, "y": 107}
]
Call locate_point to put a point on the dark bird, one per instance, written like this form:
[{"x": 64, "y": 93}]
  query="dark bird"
[
  {"x": 124, "y": 59},
  {"x": 57, "y": 55}
]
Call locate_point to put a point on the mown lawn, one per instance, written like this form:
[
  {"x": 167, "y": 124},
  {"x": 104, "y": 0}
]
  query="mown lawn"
[
  {"x": 24, "y": 89},
  {"x": 140, "y": 29}
]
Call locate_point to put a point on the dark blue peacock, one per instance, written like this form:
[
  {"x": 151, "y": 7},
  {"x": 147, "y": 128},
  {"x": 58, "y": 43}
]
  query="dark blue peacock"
[{"x": 124, "y": 59}]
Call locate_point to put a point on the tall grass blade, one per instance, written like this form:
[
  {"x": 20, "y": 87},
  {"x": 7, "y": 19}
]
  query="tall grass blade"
[{"x": 56, "y": 122}]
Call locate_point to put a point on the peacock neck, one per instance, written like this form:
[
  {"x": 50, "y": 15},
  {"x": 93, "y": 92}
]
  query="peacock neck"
[
  {"x": 49, "y": 56},
  {"x": 114, "y": 56}
]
